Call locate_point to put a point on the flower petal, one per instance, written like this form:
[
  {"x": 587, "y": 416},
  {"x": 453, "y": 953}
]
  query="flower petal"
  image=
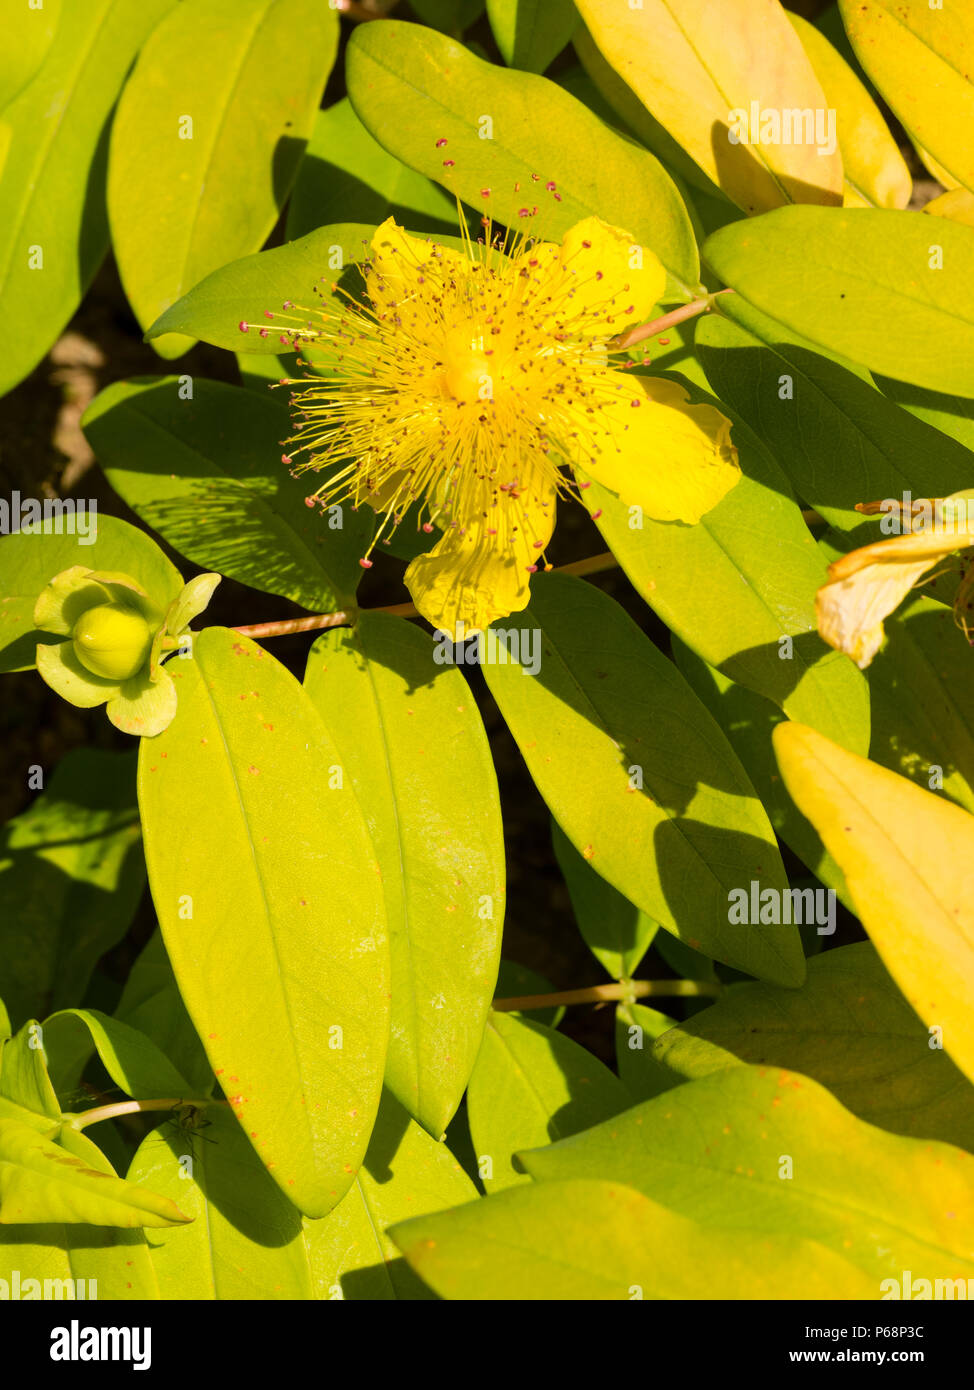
[
  {"x": 482, "y": 571},
  {"x": 190, "y": 602},
  {"x": 65, "y": 597},
  {"x": 59, "y": 667},
  {"x": 396, "y": 265},
  {"x": 866, "y": 585},
  {"x": 144, "y": 705},
  {"x": 642, "y": 439},
  {"x": 598, "y": 273}
]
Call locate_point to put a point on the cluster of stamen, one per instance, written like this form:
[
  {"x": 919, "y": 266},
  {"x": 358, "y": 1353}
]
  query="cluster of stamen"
[{"x": 459, "y": 387}]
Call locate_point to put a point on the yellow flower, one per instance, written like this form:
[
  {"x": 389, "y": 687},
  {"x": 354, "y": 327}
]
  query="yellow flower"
[
  {"x": 477, "y": 384},
  {"x": 866, "y": 585}
]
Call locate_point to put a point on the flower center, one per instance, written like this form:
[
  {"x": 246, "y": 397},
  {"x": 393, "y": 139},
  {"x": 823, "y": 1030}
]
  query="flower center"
[
  {"x": 468, "y": 372},
  {"x": 111, "y": 640}
]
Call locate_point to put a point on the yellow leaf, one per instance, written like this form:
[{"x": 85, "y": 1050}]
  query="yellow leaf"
[
  {"x": 921, "y": 60},
  {"x": 725, "y": 81},
  {"x": 957, "y": 205},
  {"x": 908, "y": 859},
  {"x": 875, "y": 172}
]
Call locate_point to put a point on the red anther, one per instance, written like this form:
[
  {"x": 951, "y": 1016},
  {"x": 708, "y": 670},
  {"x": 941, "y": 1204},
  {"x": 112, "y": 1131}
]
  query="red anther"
[
  {"x": 287, "y": 459},
  {"x": 539, "y": 545},
  {"x": 448, "y": 163},
  {"x": 587, "y": 245},
  {"x": 366, "y": 564},
  {"x": 310, "y": 501},
  {"x": 523, "y": 212},
  {"x": 284, "y": 339},
  {"x": 599, "y": 275},
  {"x": 287, "y": 303},
  {"x": 596, "y": 515},
  {"x": 551, "y": 185},
  {"x": 634, "y": 405},
  {"x": 244, "y": 327},
  {"x": 665, "y": 341},
  {"x": 268, "y": 314},
  {"x": 427, "y": 528},
  {"x": 585, "y": 485},
  {"x": 441, "y": 142},
  {"x": 263, "y": 333},
  {"x": 531, "y": 569},
  {"x": 557, "y": 197},
  {"x": 485, "y": 193},
  {"x": 535, "y": 178}
]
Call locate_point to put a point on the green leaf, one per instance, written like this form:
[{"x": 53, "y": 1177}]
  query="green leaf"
[
  {"x": 247, "y": 1240},
  {"x": 669, "y": 817},
  {"x": 25, "y": 1085},
  {"x": 346, "y": 174},
  {"x": 850, "y": 1029},
  {"x": 411, "y": 743},
  {"x": 152, "y": 1003},
  {"x": 54, "y": 231},
  {"x": 290, "y": 994},
  {"x": 28, "y": 32},
  {"x": 764, "y": 1152},
  {"x": 839, "y": 440},
  {"x": 884, "y": 294},
  {"x": 133, "y": 1061},
  {"x": 405, "y": 1173},
  {"x": 252, "y": 290},
  {"x": 907, "y": 873},
  {"x": 738, "y": 583},
  {"x": 71, "y": 876},
  {"x": 207, "y": 140},
  {"x": 615, "y": 930},
  {"x": 636, "y": 1027},
  {"x": 923, "y": 700},
  {"x": 30, "y": 558},
  {"x": 516, "y": 981},
  {"x": 259, "y": 370},
  {"x": 531, "y": 33},
  {"x": 206, "y": 473},
  {"x": 953, "y": 415},
  {"x": 244, "y": 1241},
  {"x": 451, "y": 15},
  {"x": 919, "y": 57},
  {"x": 412, "y": 88},
  {"x": 599, "y": 1240},
  {"x": 531, "y": 1084},
  {"x": 748, "y": 721},
  {"x": 698, "y": 73},
  {"x": 113, "y": 1263},
  {"x": 41, "y": 1182}
]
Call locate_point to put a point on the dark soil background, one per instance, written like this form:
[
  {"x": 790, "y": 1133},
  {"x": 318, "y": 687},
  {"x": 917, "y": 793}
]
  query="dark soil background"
[{"x": 43, "y": 453}]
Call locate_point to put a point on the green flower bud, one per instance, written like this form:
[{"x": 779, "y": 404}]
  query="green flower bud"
[{"x": 113, "y": 641}]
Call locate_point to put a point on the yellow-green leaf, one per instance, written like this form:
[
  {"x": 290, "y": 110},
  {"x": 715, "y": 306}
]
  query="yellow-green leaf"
[
  {"x": 207, "y": 140},
  {"x": 601, "y": 1240}
]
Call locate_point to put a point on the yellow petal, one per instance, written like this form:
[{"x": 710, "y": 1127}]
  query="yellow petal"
[
  {"x": 642, "y": 439},
  {"x": 482, "y": 570},
  {"x": 397, "y": 264},
  {"x": 600, "y": 274},
  {"x": 866, "y": 585}
]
